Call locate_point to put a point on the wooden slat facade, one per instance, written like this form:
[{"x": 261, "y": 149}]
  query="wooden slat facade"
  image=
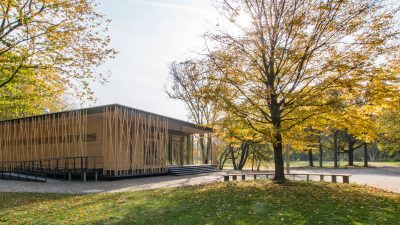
[{"x": 122, "y": 140}]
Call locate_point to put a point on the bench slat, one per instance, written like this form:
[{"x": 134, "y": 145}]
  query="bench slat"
[
  {"x": 346, "y": 177},
  {"x": 296, "y": 174}
]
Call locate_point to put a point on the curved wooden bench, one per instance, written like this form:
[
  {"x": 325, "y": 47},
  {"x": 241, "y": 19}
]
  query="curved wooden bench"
[{"x": 345, "y": 177}]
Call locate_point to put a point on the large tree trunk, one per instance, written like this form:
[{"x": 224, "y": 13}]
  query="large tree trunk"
[
  {"x": 335, "y": 149},
  {"x": 276, "y": 116},
  {"x": 277, "y": 146},
  {"x": 320, "y": 152},
  {"x": 365, "y": 155},
  {"x": 310, "y": 158},
  {"x": 278, "y": 158}
]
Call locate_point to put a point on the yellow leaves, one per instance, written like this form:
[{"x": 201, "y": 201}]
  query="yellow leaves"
[
  {"x": 55, "y": 32},
  {"x": 324, "y": 7}
]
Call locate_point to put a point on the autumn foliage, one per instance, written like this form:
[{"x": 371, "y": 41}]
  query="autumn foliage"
[{"x": 296, "y": 71}]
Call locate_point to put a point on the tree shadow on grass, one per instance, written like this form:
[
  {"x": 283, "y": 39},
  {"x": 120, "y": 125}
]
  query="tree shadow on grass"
[{"x": 250, "y": 202}]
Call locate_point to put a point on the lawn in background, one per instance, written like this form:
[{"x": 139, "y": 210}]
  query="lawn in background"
[
  {"x": 250, "y": 202},
  {"x": 344, "y": 164},
  {"x": 326, "y": 164}
]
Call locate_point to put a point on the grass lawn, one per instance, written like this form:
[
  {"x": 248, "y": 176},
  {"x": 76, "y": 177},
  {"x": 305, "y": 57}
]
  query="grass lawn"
[
  {"x": 250, "y": 202},
  {"x": 385, "y": 164}
]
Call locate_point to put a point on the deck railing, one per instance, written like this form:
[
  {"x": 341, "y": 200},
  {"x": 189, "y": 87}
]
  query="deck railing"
[{"x": 64, "y": 165}]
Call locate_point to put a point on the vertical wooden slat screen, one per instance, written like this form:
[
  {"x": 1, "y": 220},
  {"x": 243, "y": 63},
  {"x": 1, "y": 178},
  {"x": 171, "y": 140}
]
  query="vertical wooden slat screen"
[
  {"x": 124, "y": 141},
  {"x": 134, "y": 142},
  {"x": 44, "y": 137}
]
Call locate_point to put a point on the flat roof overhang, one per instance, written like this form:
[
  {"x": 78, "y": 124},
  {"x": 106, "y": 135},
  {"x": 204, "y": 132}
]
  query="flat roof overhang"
[{"x": 173, "y": 124}]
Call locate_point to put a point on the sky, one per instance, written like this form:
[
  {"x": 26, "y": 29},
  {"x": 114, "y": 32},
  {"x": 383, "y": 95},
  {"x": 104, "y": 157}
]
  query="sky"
[{"x": 150, "y": 34}]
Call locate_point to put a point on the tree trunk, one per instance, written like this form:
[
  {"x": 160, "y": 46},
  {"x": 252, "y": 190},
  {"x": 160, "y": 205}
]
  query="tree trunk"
[
  {"x": 223, "y": 158},
  {"x": 252, "y": 161},
  {"x": 244, "y": 154},
  {"x": 351, "y": 153},
  {"x": 310, "y": 158},
  {"x": 365, "y": 155},
  {"x": 208, "y": 149},
  {"x": 335, "y": 149},
  {"x": 276, "y": 124},
  {"x": 233, "y": 158},
  {"x": 320, "y": 152},
  {"x": 202, "y": 148},
  {"x": 278, "y": 157}
]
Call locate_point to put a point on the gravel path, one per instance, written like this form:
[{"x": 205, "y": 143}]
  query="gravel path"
[
  {"x": 387, "y": 178},
  {"x": 78, "y": 187}
]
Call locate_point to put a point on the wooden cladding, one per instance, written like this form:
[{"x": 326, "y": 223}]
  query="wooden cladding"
[
  {"x": 51, "y": 140},
  {"x": 134, "y": 141},
  {"x": 44, "y": 137}
]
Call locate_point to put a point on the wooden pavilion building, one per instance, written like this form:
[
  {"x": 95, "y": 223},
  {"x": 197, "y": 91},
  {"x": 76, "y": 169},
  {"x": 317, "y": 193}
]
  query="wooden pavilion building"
[{"x": 109, "y": 141}]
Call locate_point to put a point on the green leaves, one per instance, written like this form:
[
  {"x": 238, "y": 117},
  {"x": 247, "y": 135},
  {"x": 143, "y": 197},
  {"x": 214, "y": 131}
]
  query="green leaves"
[{"x": 30, "y": 92}]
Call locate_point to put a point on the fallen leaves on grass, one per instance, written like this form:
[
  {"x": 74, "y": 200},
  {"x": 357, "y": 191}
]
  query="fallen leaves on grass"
[{"x": 250, "y": 202}]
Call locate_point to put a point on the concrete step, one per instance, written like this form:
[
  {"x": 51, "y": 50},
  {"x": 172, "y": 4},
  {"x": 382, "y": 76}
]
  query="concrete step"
[{"x": 188, "y": 170}]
